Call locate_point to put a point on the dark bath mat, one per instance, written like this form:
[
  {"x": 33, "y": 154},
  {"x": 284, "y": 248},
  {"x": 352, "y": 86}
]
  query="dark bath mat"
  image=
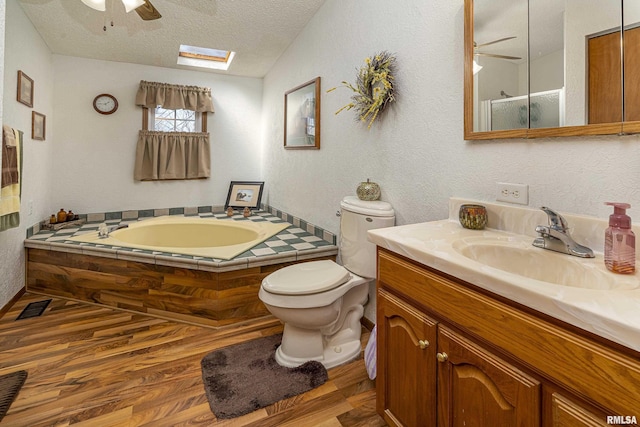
[
  {"x": 10, "y": 385},
  {"x": 241, "y": 378},
  {"x": 34, "y": 309}
]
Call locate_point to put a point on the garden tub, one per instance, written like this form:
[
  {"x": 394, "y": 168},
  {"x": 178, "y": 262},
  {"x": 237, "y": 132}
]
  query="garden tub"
[{"x": 197, "y": 236}]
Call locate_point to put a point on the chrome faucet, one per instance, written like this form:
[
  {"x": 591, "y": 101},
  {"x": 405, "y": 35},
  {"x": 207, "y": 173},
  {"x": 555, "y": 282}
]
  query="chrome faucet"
[
  {"x": 104, "y": 229},
  {"x": 555, "y": 237}
]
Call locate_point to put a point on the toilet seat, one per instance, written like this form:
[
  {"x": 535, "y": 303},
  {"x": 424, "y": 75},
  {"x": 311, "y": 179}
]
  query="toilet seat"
[
  {"x": 306, "y": 278},
  {"x": 279, "y": 289}
]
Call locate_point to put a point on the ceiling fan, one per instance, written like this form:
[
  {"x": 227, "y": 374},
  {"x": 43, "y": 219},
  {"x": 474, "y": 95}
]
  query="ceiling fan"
[
  {"x": 492, "y": 55},
  {"x": 143, "y": 8}
]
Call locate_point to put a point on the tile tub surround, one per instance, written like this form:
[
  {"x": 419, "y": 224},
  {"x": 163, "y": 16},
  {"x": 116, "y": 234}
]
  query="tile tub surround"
[
  {"x": 196, "y": 289},
  {"x": 300, "y": 241},
  {"x": 611, "y": 314}
]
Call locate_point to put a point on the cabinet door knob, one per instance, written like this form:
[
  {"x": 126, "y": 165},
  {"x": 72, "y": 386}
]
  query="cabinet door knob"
[
  {"x": 423, "y": 344},
  {"x": 442, "y": 357}
]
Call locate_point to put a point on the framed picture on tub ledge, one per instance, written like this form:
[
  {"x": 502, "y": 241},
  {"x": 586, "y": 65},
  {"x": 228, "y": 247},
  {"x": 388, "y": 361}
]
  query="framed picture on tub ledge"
[{"x": 244, "y": 194}]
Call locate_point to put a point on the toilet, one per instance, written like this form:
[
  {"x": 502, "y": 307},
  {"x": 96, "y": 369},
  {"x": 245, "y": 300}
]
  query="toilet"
[{"x": 321, "y": 302}]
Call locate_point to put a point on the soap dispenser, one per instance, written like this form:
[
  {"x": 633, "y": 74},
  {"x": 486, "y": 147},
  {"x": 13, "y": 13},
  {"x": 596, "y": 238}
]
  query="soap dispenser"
[{"x": 619, "y": 241}]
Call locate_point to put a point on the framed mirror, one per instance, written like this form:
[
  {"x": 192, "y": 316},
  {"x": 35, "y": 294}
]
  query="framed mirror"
[
  {"x": 302, "y": 116},
  {"x": 542, "y": 68}
]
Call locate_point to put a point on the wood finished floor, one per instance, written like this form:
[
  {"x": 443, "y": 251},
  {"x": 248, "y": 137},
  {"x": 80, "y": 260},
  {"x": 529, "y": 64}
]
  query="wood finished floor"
[{"x": 96, "y": 366}]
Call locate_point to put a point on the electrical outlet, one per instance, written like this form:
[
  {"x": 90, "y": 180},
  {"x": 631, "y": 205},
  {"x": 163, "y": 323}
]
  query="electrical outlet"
[
  {"x": 30, "y": 208},
  {"x": 512, "y": 193}
]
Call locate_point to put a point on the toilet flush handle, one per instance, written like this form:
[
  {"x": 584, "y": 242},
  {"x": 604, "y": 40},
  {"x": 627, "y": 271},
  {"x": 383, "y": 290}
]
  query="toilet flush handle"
[{"x": 338, "y": 213}]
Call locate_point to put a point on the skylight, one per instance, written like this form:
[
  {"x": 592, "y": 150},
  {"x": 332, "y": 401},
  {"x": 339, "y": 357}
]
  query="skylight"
[{"x": 194, "y": 56}]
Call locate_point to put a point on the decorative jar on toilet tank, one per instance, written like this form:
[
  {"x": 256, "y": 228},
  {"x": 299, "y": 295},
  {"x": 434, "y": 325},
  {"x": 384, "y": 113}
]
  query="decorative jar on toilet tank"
[{"x": 368, "y": 191}]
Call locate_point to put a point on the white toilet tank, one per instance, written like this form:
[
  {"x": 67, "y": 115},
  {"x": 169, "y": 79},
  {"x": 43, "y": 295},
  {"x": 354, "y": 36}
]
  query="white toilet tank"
[{"x": 357, "y": 254}]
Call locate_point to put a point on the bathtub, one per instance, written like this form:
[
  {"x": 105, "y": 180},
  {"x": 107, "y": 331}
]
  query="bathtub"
[{"x": 204, "y": 237}]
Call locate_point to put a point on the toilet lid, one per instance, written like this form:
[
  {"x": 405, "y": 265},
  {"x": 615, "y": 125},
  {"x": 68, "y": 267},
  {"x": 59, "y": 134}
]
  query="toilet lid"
[{"x": 306, "y": 278}]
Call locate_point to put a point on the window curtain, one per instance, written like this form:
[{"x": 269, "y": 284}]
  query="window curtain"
[
  {"x": 172, "y": 155},
  {"x": 174, "y": 97}
]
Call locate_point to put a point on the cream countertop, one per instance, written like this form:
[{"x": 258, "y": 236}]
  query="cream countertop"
[{"x": 611, "y": 314}]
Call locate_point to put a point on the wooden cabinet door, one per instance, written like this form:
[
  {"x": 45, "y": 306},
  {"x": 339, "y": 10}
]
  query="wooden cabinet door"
[
  {"x": 477, "y": 389},
  {"x": 406, "y": 370},
  {"x": 567, "y": 413},
  {"x": 604, "y": 85},
  {"x": 631, "y": 75}
]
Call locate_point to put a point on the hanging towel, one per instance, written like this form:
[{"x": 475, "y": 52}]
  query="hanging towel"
[
  {"x": 9, "y": 136},
  {"x": 370, "y": 354},
  {"x": 10, "y": 173},
  {"x": 10, "y": 182}
]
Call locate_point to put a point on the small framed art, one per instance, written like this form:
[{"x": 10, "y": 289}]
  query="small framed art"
[
  {"x": 244, "y": 194},
  {"x": 25, "y": 89},
  {"x": 38, "y": 126}
]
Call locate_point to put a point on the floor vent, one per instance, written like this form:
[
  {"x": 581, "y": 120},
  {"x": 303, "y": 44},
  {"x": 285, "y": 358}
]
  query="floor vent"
[{"x": 34, "y": 309}]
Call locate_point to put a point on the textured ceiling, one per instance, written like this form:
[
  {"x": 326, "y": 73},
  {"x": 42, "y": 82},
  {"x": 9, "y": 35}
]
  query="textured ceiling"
[{"x": 257, "y": 30}]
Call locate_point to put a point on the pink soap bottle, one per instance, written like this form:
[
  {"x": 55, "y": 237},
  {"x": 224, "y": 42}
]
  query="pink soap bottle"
[{"x": 619, "y": 241}]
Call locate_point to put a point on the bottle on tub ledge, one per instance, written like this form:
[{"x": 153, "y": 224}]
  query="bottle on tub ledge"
[
  {"x": 62, "y": 216},
  {"x": 619, "y": 241}
]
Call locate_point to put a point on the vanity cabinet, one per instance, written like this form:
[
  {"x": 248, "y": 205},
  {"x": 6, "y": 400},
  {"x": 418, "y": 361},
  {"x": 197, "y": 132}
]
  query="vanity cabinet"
[
  {"x": 567, "y": 413},
  {"x": 452, "y": 354},
  {"x": 406, "y": 338},
  {"x": 474, "y": 384}
]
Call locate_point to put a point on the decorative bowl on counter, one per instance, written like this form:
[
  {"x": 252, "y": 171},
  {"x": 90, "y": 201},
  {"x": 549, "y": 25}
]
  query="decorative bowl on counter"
[{"x": 473, "y": 217}]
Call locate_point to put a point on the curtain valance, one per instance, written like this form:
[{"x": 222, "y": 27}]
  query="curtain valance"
[
  {"x": 174, "y": 97},
  {"x": 172, "y": 155}
]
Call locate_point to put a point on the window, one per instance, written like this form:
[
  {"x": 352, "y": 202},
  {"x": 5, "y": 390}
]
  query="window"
[
  {"x": 194, "y": 56},
  {"x": 167, "y": 120}
]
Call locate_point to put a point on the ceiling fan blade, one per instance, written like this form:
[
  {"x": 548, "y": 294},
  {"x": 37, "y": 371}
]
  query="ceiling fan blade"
[
  {"x": 148, "y": 12},
  {"x": 100, "y": 5},
  {"x": 493, "y": 55},
  {"x": 494, "y": 41}
]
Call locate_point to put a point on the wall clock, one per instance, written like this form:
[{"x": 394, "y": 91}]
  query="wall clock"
[{"x": 105, "y": 103}]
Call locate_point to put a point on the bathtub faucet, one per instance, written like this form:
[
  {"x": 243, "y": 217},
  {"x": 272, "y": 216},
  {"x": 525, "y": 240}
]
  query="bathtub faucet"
[{"x": 104, "y": 229}]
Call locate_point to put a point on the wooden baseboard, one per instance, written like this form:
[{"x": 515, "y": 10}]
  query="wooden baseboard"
[
  {"x": 12, "y": 301},
  {"x": 367, "y": 323}
]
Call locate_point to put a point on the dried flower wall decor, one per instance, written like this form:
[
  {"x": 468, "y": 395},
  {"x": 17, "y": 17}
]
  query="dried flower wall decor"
[{"x": 374, "y": 87}]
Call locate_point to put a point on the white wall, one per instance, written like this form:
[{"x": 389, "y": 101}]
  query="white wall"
[
  {"x": 94, "y": 154},
  {"x": 547, "y": 72},
  {"x": 497, "y": 76},
  {"x": 417, "y": 152},
  {"x": 86, "y": 162},
  {"x": 25, "y": 50}
]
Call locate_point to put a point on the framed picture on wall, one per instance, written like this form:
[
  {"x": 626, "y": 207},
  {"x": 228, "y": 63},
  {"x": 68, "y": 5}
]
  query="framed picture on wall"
[
  {"x": 244, "y": 194},
  {"x": 302, "y": 116},
  {"x": 38, "y": 126},
  {"x": 25, "y": 89}
]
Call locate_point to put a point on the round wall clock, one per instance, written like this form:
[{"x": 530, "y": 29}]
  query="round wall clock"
[{"x": 105, "y": 103}]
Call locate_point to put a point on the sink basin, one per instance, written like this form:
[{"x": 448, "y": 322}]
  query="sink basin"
[{"x": 517, "y": 256}]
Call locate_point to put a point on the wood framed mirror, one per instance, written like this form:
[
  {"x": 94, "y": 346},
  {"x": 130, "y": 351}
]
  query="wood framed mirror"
[
  {"x": 541, "y": 68},
  {"x": 302, "y": 116}
]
